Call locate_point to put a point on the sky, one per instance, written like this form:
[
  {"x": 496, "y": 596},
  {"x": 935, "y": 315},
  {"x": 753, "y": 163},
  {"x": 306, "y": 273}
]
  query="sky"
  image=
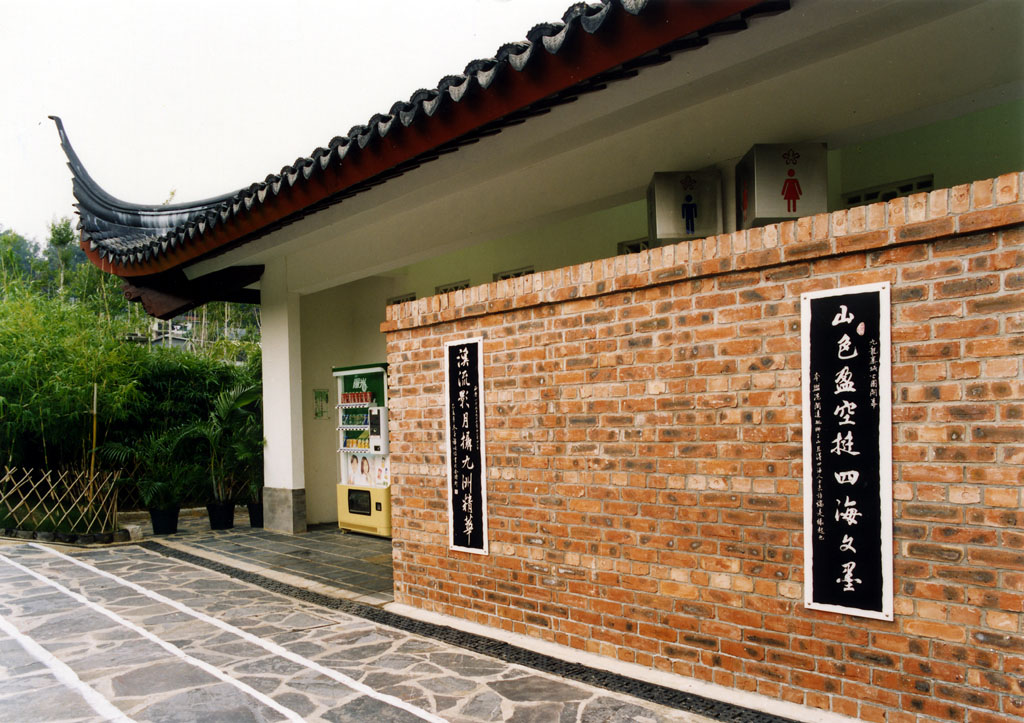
[{"x": 202, "y": 97}]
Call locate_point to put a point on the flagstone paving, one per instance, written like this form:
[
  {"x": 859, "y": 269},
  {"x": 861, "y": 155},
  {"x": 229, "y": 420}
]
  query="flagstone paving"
[
  {"x": 353, "y": 566},
  {"x": 164, "y": 640}
]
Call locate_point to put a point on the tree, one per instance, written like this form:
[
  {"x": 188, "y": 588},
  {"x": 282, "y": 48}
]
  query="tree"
[
  {"x": 61, "y": 248},
  {"x": 16, "y": 256},
  {"x": 51, "y": 354}
]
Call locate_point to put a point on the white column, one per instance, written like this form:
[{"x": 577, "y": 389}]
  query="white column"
[{"x": 284, "y": 492}]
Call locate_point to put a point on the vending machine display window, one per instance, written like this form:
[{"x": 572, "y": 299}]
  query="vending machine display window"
[{"x": 359, "y": 502}]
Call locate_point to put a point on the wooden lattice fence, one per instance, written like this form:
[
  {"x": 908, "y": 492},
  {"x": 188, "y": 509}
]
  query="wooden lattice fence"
[{"x": 65, "y": 501}]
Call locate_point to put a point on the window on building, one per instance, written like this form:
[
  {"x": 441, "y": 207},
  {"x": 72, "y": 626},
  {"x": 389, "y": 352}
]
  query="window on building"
[
  {"x": 889, "y": 191},
  {"x": 453, "y": 286},
  {"x": 636, "y": 246},
  {"x": 513, "y": 273},
  {"x": 402, "y": 298}
]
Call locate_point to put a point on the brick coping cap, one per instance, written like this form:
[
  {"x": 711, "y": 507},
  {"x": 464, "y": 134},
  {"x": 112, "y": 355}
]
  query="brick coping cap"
[{"x": 969, "y": 208}]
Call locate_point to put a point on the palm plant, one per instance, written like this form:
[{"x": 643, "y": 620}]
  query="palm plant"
[
  {"x": 247, "y": 449},
  {"x": 233, "y": 436},
  {"x": 151, "y": 462}
]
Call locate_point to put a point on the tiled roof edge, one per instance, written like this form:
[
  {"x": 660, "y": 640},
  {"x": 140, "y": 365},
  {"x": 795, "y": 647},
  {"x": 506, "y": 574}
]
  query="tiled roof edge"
[{"x": 127, "y": 234}]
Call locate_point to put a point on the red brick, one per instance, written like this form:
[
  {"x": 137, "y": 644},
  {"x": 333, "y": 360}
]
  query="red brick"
[
  {"x": 962, "y": 246},
  {"x": 982, "y": 193},
  {"x": 927, "y": 311},
  {"x": 1004, "y": 346},
  {"x": 929, "y": 352},
  {"x": 1007, "y": 188},
  {"x": 934, "y": 270},
  {"x": 966, "y": 329},
  {"x": 971, "y": 286},
  {"x": 926, "y": 229},
  {"x": 1004, "y": 303},
  {"x": 995, "y": 434},
  {"x": 933, "y": 708},
  {"x": 997, "y": 261},
  {"x": 861, "y": 241},
  {"x": 991, "y": 218}
]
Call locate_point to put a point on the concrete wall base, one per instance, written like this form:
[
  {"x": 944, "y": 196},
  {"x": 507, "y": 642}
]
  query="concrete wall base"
[{"x": 284, "y": 510}]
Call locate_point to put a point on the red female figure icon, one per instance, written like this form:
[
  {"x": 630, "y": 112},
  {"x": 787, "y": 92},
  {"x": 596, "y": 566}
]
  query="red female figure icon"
[{"x": 791, "y": 191}]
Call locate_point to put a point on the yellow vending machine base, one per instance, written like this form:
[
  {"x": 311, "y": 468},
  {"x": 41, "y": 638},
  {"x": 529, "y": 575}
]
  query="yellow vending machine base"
[{"x": 365, "y": 509}]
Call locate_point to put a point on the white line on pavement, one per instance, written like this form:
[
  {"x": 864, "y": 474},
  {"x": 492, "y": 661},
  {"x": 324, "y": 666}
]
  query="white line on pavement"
[
  {"x": 65, "y": 675},
  {"x": 173, "y": 649},
  {"x": 255, "y": 640}
]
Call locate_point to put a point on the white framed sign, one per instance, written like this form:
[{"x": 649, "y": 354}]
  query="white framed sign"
[
  {"x": 464, "y": 435},
  {"x": 847, "y": 446}
]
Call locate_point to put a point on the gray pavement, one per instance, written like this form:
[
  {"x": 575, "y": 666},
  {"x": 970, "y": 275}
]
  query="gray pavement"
[
  {"x": 324, "y": 559},
  {"x": 125, "y": 633}
]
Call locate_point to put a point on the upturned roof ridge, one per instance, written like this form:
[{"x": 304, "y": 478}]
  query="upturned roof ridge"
[{"x": 126, "y": 235}]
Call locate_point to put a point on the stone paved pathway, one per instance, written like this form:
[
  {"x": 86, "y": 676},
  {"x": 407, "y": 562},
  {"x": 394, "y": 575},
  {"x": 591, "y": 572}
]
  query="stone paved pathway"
[
  {"x": 325, "y": 559},
  {"x": 155, "y": 639}
]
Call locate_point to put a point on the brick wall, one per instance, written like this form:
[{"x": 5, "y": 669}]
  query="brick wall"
[{"x": 644, "y": 458}]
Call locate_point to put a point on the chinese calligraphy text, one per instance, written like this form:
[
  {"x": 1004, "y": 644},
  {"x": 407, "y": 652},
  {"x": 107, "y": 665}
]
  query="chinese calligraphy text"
[
  {"x": 467, "y": 498},
  {"x": 847, "y": 451}
]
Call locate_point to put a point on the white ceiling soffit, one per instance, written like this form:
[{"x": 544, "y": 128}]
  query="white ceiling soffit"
[{"x": 825, "y": 70}]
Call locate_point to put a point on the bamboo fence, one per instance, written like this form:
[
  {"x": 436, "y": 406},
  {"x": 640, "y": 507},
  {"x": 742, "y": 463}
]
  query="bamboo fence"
[{"x": 63, "y": 501}]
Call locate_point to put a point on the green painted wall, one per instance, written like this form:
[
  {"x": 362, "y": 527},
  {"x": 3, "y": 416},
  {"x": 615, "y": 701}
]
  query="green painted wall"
[
  {"x": 565, "y": 243},
  {"x": 984, "y": 144}
]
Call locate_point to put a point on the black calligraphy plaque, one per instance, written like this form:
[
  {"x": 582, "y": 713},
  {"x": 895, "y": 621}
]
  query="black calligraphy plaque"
[
  {"x": 847, "y": 451},
  {"x": 467, "y": 492}
]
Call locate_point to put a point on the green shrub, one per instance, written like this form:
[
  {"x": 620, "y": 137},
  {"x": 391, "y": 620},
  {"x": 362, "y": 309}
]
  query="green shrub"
[{"x": 52, "y": 352}]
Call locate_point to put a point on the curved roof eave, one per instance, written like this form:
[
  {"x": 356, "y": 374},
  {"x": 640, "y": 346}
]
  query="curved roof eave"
[{"x": 593, "y": 45}]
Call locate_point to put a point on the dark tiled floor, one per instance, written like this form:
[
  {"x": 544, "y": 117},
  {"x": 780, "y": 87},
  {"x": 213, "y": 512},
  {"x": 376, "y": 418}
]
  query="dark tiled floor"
[{"x": 352, "y": 564}]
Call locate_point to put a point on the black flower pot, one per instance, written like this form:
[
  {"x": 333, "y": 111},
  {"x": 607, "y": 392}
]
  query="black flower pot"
[
  {"x": 222, "y": 515},
  {"x": 165, "y": 522},
  {"x": 255, "y": 514}
]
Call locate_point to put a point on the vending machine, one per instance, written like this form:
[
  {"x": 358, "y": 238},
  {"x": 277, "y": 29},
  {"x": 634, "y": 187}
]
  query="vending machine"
[{"x": 364, "y": 487}]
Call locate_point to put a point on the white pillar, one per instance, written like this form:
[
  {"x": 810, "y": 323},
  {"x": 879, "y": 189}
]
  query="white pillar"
[{"x": 284, "y": 494}]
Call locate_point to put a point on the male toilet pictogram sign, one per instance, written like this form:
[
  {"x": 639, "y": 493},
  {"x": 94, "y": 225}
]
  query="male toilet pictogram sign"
[{"x": 689, "y": 210}]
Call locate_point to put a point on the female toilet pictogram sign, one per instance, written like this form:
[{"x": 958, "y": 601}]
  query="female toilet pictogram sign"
[{"x": 791, "y": 191}]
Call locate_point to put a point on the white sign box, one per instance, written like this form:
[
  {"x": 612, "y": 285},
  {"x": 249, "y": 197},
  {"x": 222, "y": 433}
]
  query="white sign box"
[
  {"x": 684, "y": 205},
  {"x": 780, "y": 183}
]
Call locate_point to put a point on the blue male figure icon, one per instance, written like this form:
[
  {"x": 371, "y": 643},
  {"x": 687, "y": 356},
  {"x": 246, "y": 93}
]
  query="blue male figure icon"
[{"x": 689, "y": 209}]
